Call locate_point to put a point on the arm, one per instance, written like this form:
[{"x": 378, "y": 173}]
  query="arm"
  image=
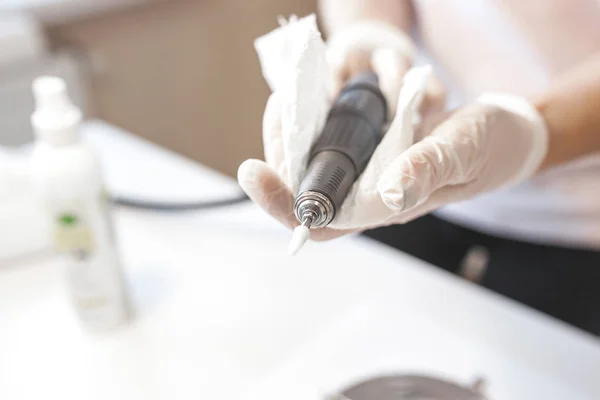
[
  {"x": 338, "y": 14},
  {"x": 571, "y": 109}
]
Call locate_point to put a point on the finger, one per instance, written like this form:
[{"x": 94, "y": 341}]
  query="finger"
[
  {"x": 269, "y": 192},
  {"x": 348, "y": 65},
  {"x": 358, "y": 61},
  {"x": 340, "y": 76},
  {"x": 441, "y": 197},
  {"x": 430, "y": 123},
  {"x": 434, "y": 99},
  {"x": 400, "y": 134},
  {"x": 272, "y": 133},
  {"x": 265, "y": 187},
  {"x": 324, "y": 234},
  {"x": 436, "y": 161},
  {"x": 390, "y": 66}
]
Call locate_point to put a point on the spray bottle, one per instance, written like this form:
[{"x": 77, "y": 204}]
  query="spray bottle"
[{"x": 67, "y": 176}]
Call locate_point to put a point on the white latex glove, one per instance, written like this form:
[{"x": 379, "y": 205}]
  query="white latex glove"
[
  {"x": 497, "y": 141},
  {"x": 386, "y": 50}
]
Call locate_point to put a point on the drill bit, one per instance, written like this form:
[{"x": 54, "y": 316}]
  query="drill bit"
[{"x": 300, "y": 236}]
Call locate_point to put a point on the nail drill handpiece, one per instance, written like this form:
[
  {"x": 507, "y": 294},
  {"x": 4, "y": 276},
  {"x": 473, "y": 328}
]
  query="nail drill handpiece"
[{"x": 353, "y": 130}]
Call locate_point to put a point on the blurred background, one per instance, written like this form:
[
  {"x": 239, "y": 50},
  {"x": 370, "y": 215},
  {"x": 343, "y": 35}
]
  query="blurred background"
[
  {"x": 171, "y": 71},
  {"x": 214, "y": 305}
]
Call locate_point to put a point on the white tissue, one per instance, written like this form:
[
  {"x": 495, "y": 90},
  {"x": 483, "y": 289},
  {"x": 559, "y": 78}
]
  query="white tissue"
[{"x": 293, "y": 61}]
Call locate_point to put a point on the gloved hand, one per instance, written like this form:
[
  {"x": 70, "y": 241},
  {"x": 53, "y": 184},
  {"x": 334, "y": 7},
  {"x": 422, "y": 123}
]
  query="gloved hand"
[
  {"x": 496, "y": 141},
  {"x": 386, "y": 50}
]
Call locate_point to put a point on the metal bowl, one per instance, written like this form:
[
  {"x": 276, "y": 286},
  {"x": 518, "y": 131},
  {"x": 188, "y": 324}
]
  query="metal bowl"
[{"x": 410, "y": 387}]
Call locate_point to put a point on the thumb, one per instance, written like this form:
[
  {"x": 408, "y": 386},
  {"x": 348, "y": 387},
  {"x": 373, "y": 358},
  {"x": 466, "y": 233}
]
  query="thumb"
[
  {"x": 419, "y": 171},
  {"x": 273, "y": 135},
  {"x": 266, "y": 188}
]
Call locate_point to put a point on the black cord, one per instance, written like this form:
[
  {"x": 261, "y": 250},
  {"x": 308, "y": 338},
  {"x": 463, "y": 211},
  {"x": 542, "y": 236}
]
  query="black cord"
[{"x": 151, "y": 205}]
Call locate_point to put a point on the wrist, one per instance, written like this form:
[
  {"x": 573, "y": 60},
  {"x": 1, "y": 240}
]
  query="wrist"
[
  {"x": 537, "y": 130},
  {"x": 568, "y": 137},
  {"x": 556, "y": 148}
]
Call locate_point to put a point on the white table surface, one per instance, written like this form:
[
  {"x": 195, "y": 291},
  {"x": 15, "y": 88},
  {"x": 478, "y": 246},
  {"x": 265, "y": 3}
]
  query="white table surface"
[{"x": 224, "y": 313}]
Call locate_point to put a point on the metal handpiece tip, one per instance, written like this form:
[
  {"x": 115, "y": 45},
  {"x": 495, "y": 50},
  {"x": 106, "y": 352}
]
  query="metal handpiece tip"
[{"x": 299, "y": 237}]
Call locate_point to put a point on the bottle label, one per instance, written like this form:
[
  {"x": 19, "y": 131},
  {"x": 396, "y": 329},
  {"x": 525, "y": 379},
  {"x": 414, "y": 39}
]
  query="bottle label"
[
  {"x": 73, "y": 237},
  {"x": 83, "y": 234}
]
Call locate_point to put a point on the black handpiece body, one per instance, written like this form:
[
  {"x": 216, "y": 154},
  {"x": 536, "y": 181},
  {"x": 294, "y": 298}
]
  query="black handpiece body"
[{"x": 351, "y": 134}]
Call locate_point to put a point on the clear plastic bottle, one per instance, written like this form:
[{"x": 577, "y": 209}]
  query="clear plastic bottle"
[{"x": 67, "y": 176}]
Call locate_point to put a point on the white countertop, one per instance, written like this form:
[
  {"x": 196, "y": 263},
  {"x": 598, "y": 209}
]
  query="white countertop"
[{"x": 224, "y": 313}]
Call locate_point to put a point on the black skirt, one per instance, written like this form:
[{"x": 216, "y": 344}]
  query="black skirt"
[{"x": 559, "y": 281}]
